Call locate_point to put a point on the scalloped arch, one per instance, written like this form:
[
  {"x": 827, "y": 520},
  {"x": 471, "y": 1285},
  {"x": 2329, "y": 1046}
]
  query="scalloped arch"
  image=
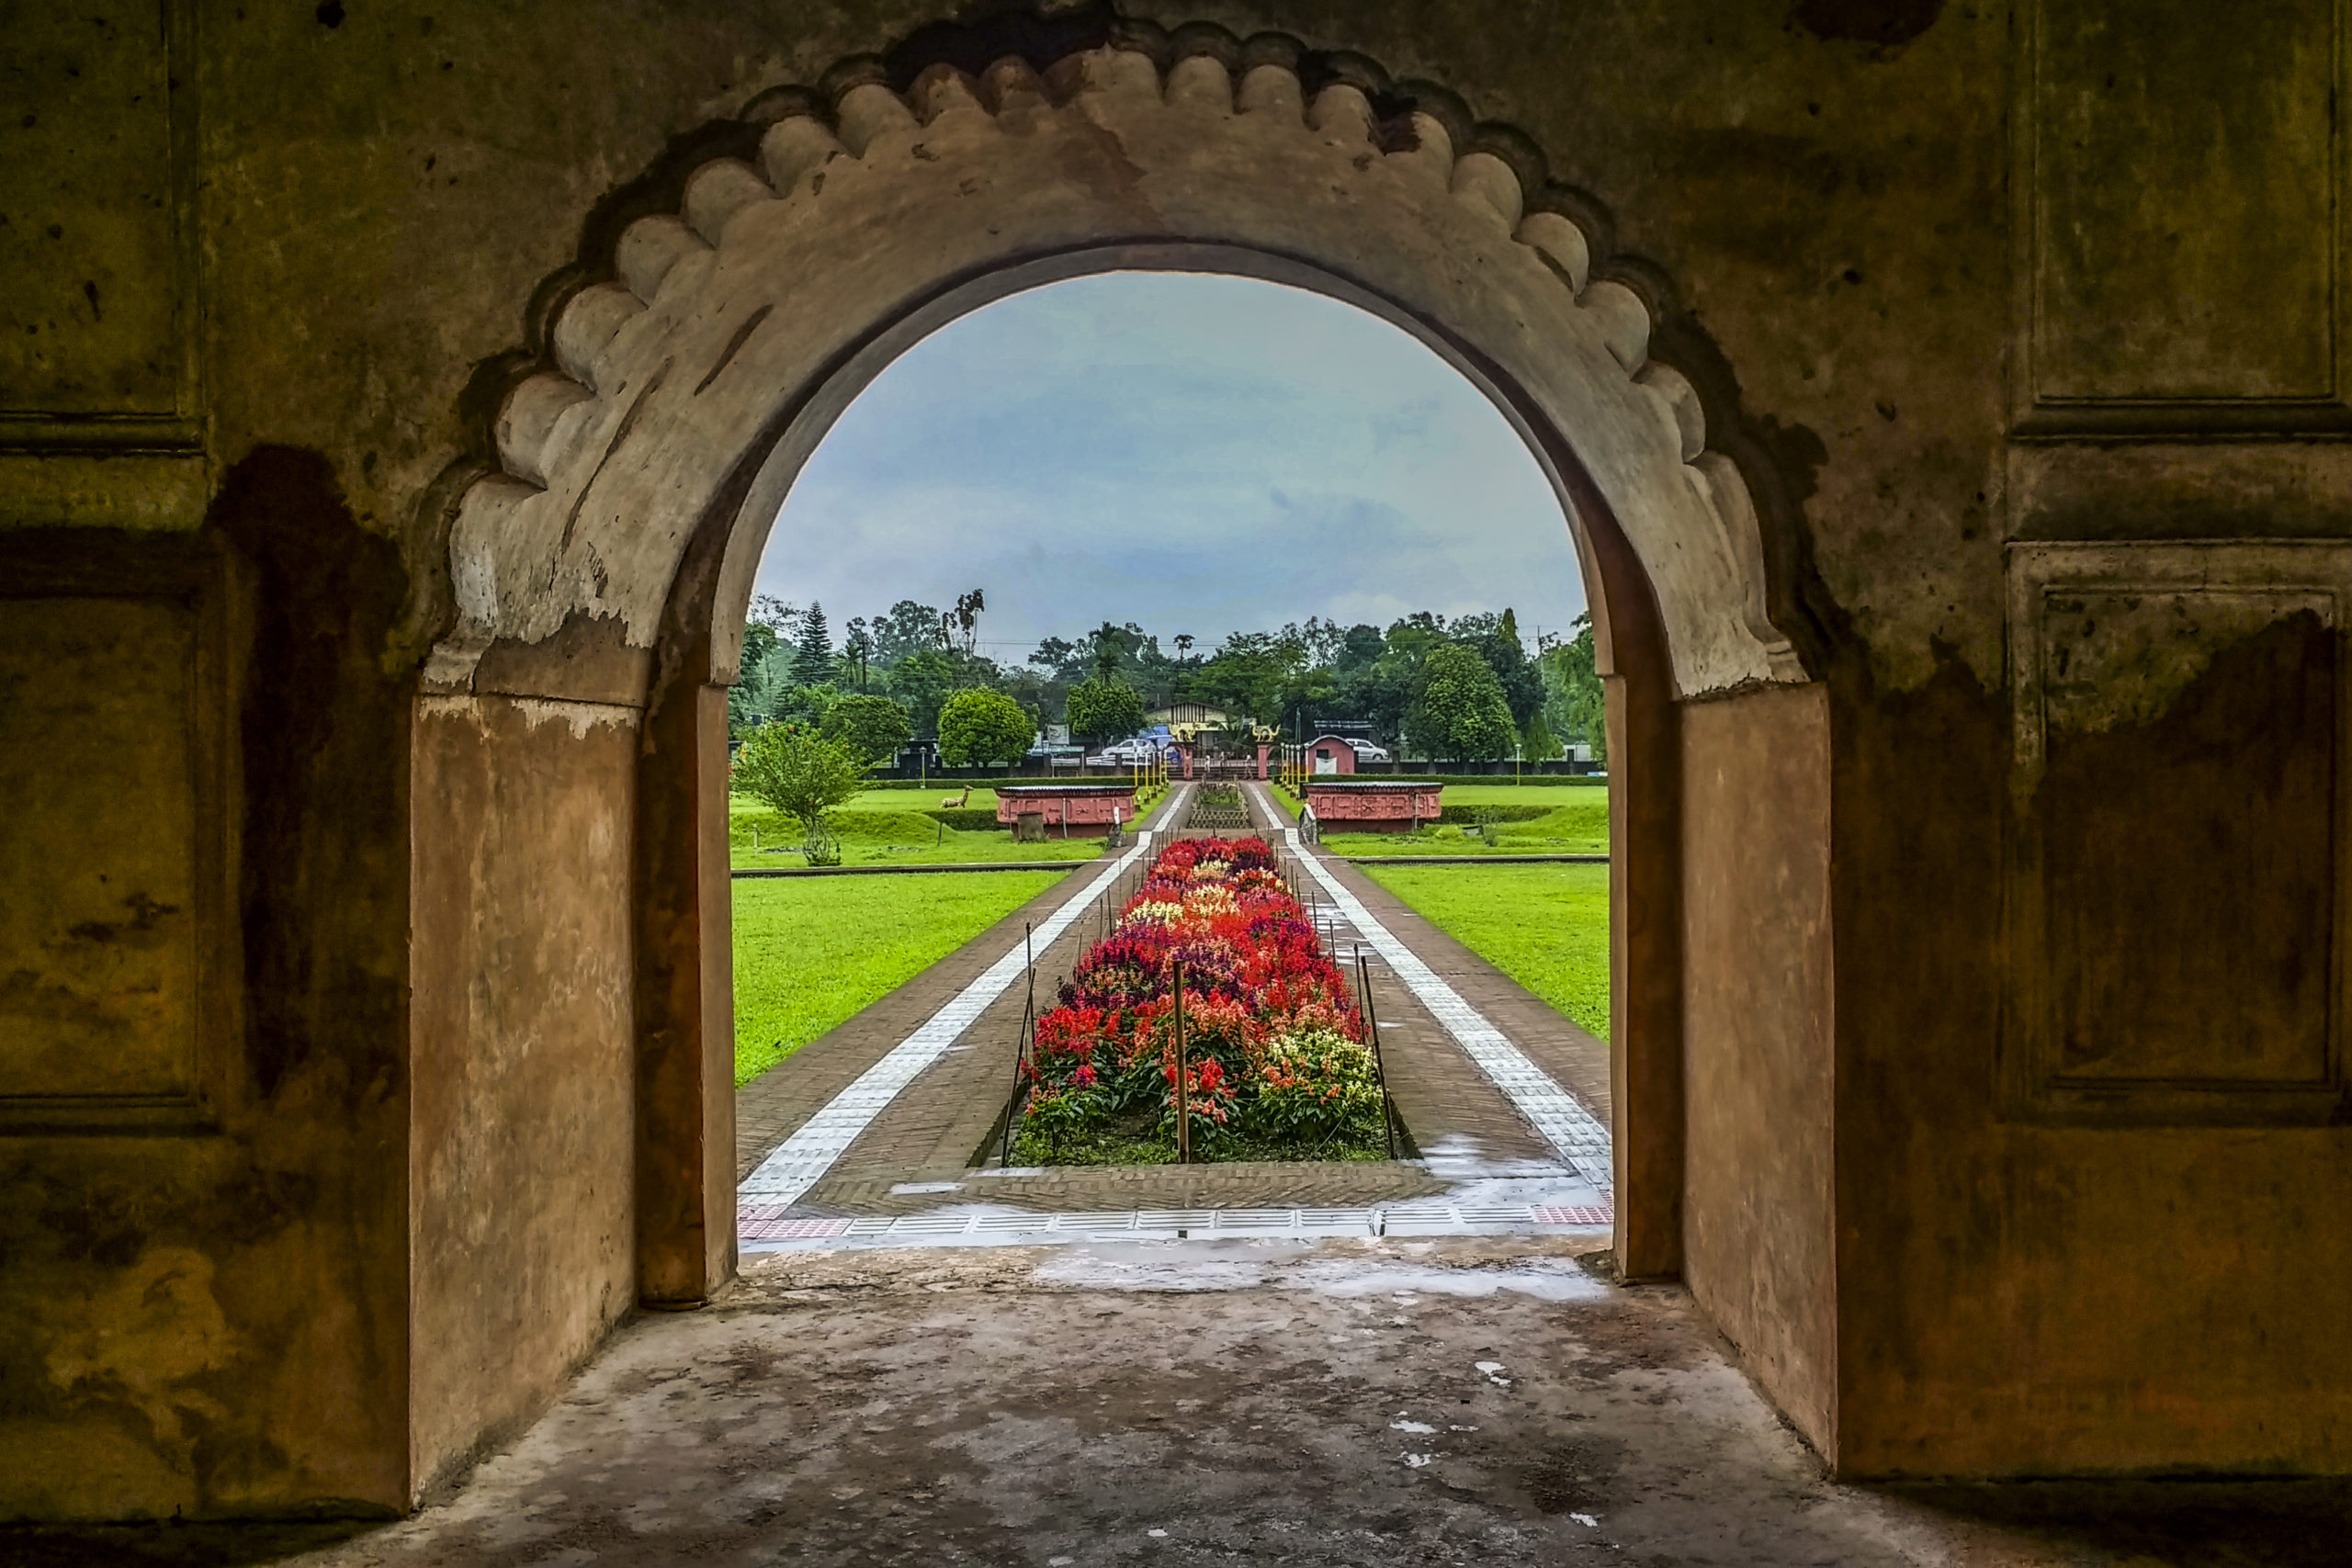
[{"x": 707, "y": 357}]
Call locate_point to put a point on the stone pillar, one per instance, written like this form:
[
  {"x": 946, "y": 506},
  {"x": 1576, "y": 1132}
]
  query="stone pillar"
[{"x": 686, "y": 1080}]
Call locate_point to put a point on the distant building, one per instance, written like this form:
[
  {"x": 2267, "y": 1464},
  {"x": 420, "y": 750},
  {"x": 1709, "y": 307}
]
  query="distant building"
[{"x": 1330, "y": 754}]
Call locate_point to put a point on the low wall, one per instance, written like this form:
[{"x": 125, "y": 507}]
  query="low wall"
[
  {"x": 1081, "y": 810},
  {"x": 1360, "y": 807}
]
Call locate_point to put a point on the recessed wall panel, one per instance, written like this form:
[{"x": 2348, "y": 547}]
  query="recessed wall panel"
[{"x": 2179, "y": 215}]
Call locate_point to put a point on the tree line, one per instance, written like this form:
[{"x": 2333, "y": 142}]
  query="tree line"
[{"x": 1468, "y": 688}]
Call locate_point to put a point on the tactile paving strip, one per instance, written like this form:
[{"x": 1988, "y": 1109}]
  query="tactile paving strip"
[{"x": 1565, "y": 1124}]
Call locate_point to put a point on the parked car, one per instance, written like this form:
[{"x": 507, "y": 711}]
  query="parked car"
[
  {"x": 1367, "y": 753},
  {"x": 1126, "y": 754}
]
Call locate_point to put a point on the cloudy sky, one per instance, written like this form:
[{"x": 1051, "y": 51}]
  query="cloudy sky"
[{"x": 1195, "y": 453}]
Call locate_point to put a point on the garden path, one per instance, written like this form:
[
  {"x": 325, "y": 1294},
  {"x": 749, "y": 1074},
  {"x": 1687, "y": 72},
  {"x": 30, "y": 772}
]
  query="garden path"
[{"x": 912, "y": 1168}]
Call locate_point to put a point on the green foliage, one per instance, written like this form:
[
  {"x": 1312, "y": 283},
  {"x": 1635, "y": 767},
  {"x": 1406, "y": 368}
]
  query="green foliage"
[
  {"x": 876, "y": 727},
  {"x": 1460, "y": 712},
  {"x": 1574, "y": 702},
  {"x": 923, "y": 680},
  {"x": 809, "y": 953},
  {"x": 798, "y": 772},
  {"x": 1103, "y": 709},
  {"x": 909, "y": 628},
  {"x": 978, "y": 727}
]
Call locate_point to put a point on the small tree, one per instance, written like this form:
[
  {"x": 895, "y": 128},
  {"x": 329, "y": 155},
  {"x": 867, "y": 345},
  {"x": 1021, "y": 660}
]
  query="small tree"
[
  {"x": 876, "y": 728},
  {"x": 979, "y": 727},
  {"x": 1460, "y": 712},
  {"x": 800, "y": 772},
  {"x": 1103, "y": 709}
]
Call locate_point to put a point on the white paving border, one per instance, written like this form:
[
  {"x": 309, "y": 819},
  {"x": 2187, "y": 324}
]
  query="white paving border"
[
  {"x": 801, "y": 1160},
  {"x": 1582, "y": 1141}
]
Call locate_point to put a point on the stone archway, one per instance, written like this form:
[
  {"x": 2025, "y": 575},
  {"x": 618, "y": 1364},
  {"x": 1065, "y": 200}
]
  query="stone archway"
[{"x": 609, "y": 560}]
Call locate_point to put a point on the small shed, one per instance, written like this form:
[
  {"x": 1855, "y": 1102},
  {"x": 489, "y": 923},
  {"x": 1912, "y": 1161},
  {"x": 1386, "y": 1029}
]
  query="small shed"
[
  {"x": 1371, "y": 805},
  {"x": 1328, "y": 754},
  {"x": 1079, "y": 808}
]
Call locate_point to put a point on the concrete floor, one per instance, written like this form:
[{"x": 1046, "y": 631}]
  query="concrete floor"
[{"x": 1491, "y": 1400}]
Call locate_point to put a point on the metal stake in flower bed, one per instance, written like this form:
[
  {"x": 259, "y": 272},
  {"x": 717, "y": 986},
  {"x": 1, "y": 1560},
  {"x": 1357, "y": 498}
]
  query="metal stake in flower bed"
[
  {"x": 1379, "y": 1072},
  {"x": 1183, "y": 1098},
  {"x": 1020, "y": 1051}
]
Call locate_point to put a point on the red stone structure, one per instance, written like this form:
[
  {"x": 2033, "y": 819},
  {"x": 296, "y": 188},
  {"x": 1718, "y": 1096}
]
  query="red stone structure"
[
  {"x": 1069, "y": 810},
  {"x": 1371, "y": 805},
  {"x": 1330, "y": 755}
]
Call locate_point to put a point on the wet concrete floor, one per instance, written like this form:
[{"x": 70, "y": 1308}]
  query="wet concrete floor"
[{"x": 1479, "y": 1400}]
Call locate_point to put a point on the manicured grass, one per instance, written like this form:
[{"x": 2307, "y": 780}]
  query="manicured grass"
[
  {"x": 1577, "y": 823},
  {"x": 1544, "y": 926},
  {"x": 812, "y": 950},
  {"x": 888, "y": 827}
]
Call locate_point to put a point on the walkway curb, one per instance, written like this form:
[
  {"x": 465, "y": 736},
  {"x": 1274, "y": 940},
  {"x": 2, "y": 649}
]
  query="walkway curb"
[
  {"x": 762, "y": 872},
  {"x": 1463, "y": 859}
]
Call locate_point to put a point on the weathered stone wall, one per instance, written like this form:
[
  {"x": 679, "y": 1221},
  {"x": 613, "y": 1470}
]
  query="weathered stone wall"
[
  {"x": 521, "y": 1150},
  {"x": 1759, "y": 1238},
  {"x": 1945, "y": 279}
]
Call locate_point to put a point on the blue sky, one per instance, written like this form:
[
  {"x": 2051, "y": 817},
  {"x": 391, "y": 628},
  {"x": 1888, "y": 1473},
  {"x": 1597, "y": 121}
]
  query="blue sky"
[{"x": 1196, "y": 453}]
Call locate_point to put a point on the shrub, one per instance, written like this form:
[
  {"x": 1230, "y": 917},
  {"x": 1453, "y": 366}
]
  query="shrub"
[
  {"x": 800, "y": 772},
  {"x": 979, "y": 727},
  {"x": 966, "y": 819},
  {"x": 1473, "y": 815}
]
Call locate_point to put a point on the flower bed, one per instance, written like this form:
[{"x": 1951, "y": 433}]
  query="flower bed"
[{"x": 1276, "y": 1066}]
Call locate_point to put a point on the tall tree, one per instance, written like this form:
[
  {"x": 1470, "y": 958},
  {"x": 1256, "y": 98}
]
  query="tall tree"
[
  {"x": 964, "y": 619},
  {"x": 911, "y": 627},
  {"x": 924, "y": 680},
  {"x": 857, "y": 651},
  {"x": 1499, "y": 646},
  {"x": 1575, "y": 704},
  {"x": 1103, "y": 709},
  {"x": 1460, "y": 713},
  {"x": 877, "y": 728},
  {"x": 812, "y": 662}
]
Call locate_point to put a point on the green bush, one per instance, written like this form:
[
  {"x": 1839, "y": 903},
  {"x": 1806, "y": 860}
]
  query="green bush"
[
  {"x": 1479, "y": 816},
  {"x": 800, "y": 772},
  {"x": 966, "y": 819}
]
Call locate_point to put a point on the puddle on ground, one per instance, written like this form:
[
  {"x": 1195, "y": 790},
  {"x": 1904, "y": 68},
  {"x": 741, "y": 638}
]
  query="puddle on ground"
[{"x": 1276, "y": 1265}]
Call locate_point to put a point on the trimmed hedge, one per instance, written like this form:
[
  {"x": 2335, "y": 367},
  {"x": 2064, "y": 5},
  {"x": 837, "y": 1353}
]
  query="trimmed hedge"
[
  {"x": 967, "y": 818},
  {"x": 1471, "y": 816}
]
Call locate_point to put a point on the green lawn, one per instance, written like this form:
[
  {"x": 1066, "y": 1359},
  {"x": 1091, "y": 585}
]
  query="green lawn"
[
  {"x": 811, "y": 950},
  {"x": 1544, "y": 926},
  {"x": 888, "y": 827},
  {"x": 1576, "y": 821}
]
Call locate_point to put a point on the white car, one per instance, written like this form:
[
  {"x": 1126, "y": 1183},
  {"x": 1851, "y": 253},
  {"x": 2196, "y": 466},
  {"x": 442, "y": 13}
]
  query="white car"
[
  {"x": 1367, "y": 753},
  {"x": 1126, "y": 753}
]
